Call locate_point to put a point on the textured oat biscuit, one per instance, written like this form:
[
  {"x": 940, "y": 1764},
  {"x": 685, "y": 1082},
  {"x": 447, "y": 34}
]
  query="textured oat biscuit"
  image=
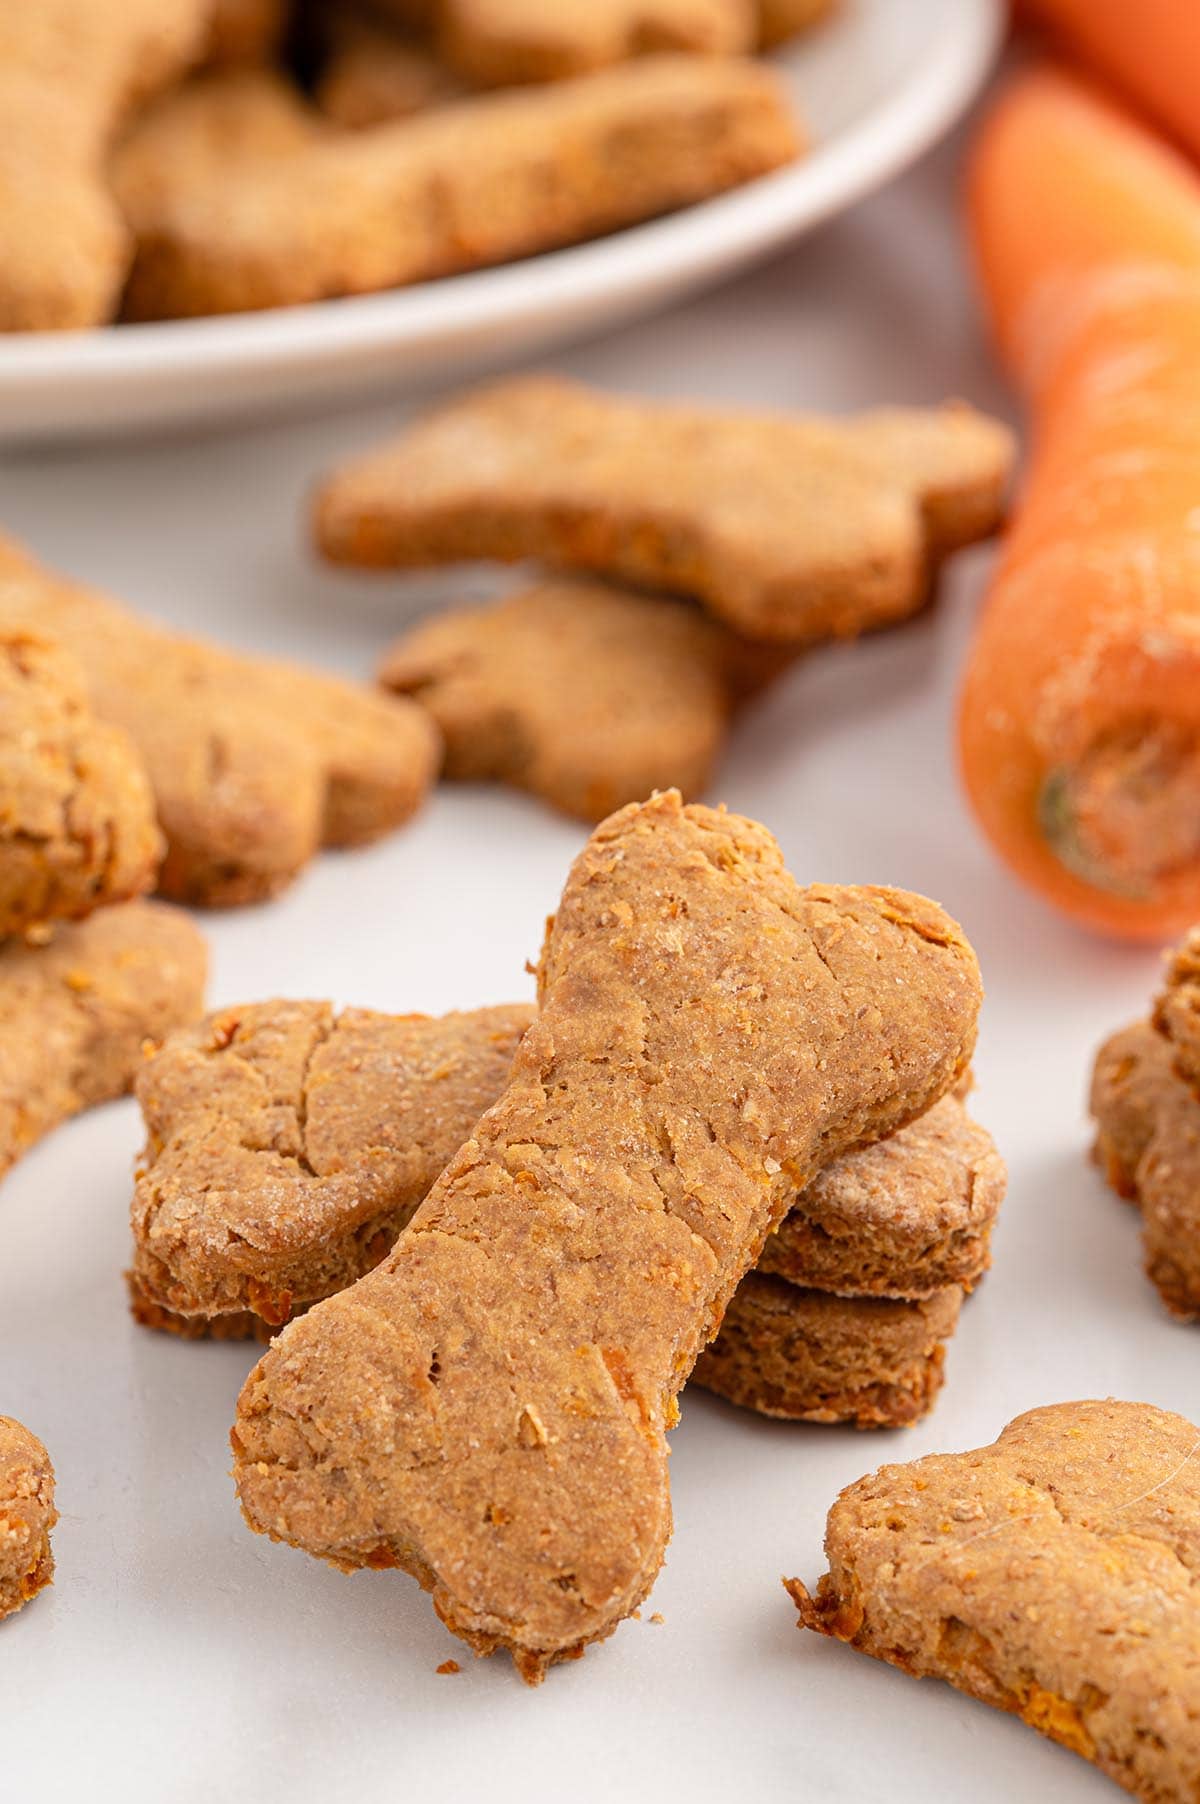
[
  {"x": 585, "y": 695},
  {"x": 779, "y": 20},
  {"x": 904, "y": 1218},
  {"x": 287, "y": 1145},
  {"x": 787, "y": 528},
  {"x": 1148, "y": 1142},
  {"x": 488, "y": 1408},
  {"x": 808, "y": 1356},
  {"x": 372, "y": 74},
  {"x": 1052, "y": 1574},
  {"x": 79, "y": 1006},
  {"x": 495, "y": 43},
  {"x": 27, "y": 1515},
  {"x": 1177, "y": 1008},
  {"x": 254, "y": 764},
  {"x": 484, "y": 181},
  {"x": 209, "y": 129},
  {"x": 76, "y": 809},
  {"x": 69, "y": 71}
]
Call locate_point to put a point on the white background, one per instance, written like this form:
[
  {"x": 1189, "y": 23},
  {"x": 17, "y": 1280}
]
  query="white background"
[{"x": 179, "y": 1657}]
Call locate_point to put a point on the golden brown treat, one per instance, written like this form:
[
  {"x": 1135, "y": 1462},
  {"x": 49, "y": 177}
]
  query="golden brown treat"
[
  {"x": 288, "y": 1145},
  {"x": 230, "y": 1214},
  {"x": 76, "y": 810},
  {"x": 488, "y": 1408},
  {"x": 810, "y": 1357},
  {"x": 1177, "y": 1009},
  {"x": 1148, "y": 1142},
  {"x": 480, "y": 182},
  {"x": 69, "y": 71},
  {"x": 210, "y": 129},
  {"x": 585, "y": 695},
  {"x": 787, "y": 528},
  {"x": 80, "y": 1006},
  {"x": 27, "y": 1515},
  {"x": 905, "y": 1218},
  {"x": 245, "y": 31},
  {"x": 779, "y": 20},
  {"x": 1052, "y": 1574},
  {"x": 495, "y": 43},
  {"x": 254, "y": 764},
  {"x": 372, "y": 75}
]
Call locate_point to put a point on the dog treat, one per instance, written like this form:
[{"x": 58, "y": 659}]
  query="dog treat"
[
  {"x": 1148, "y": 1143},
  {"x": 779, "y": 20},
  {"x": 69, "y": 71},
  {"x": 494, "y": 43},
  {"x": 288, "y": 1145},
  {"x": 1052, "y": 1574},
  {"x": 905, "y": 1218},
  {"x": 786, "y": 528},
  {"x": 811, "y": 1357},
  {"x": 1177, "y": 1011},
  {"x": 372, "y": 75},
  {"x": 484, "y": 181},
  {"x": 236, "y": 1227},
  {"x": 76, "y": 810},
  {"x": 488, "y": 1408},
  {"x": 254, "y": 764},
  {"x": 210, "y": 129},
  {"x": 585, "y": 695},
  {"x": 27, "y": 1515},
  {"x": 79, "y": 1006}
]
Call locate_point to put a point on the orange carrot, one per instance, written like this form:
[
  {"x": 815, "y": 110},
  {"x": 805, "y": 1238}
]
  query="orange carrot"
[
  {"x": 1150, "y": 48},
  {"x": 1079, "y": 726}
]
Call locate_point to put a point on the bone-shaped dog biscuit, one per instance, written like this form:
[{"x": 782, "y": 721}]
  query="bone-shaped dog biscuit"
[
  {"x": 484, "y": 181},
  {"x": 488, "y": 1408},
  {"x": 497, "y": 42},
  {"x": 76, "y": 809},
  {"x": 27, "y": 1515},
  {"x": 254, "y": 764},
  {"x": 787, "y": 528}
]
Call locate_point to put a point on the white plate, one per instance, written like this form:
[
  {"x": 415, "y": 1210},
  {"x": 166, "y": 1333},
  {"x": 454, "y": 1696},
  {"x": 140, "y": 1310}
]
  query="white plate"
[{"x": 877, "y": 86}]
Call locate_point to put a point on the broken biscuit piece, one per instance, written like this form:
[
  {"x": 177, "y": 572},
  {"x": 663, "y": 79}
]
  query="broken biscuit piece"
[
  {"x": 484, "y": 181},
  {"x": 585, "y": 695},
  {"x": 786, "y": 528},
  {"x": 288, "y": 1145},
  {"x": 70, "y": 70},
  {"x": 488, "y": 1408},
  {"x": 1051, "y": 1574},
  {"x": 80, "y": 1006},
  {"x": 808, "y": 1356},
  {"x": 77, "y": 826},
  {"x": 499, "y": 43},
  {"x": 27, "y": 1515},
  {"x": 254, "y": 764}
]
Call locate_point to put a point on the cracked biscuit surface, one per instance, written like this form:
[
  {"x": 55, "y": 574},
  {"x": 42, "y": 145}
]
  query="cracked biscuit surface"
[
  {"x": 784, "y": 527},
  {"x": 80, "y": 1005},
  {"x": 1052, "y": 1574},
  {"x": 254, "y": 764},
  {"x": 583, "y": 694},
  {"x": 77, "y": 826},
  {"x": 483, "y": 181},
  {"x": 488, "y": 1408},
  {"x": 27, "y": 1515}
]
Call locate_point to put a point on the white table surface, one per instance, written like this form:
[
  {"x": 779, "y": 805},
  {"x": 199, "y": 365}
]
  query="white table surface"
[{"x": 178, "y": 1656}]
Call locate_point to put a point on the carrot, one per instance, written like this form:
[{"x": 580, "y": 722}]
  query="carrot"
[
  {"x": 1150, "y": 48},
  {"x": 1079, "y": 723}
]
